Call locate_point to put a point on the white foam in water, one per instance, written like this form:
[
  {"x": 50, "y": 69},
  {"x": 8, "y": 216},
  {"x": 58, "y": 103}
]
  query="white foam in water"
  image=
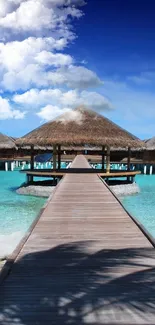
[{"x": 9, "y": 242}]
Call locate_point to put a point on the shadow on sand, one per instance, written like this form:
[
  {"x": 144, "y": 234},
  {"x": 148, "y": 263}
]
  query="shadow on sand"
[{"x": 72, "y": 284}]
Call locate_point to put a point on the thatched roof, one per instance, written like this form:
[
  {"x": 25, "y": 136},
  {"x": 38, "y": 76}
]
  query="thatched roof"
[
  {"x": 7, "y": 142},
  {"x": 150, "y": 144},
  {"x": 80, "y": 127}
]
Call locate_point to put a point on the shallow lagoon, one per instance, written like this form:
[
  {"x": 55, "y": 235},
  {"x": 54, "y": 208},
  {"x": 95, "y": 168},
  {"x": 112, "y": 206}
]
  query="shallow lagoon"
[
  {"x": 17, "y": 212},
  {"x": 142, "y": 205}
]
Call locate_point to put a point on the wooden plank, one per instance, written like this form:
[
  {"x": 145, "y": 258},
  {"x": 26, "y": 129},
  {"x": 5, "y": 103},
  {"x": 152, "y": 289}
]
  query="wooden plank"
[{"x": 85, "y": 262}]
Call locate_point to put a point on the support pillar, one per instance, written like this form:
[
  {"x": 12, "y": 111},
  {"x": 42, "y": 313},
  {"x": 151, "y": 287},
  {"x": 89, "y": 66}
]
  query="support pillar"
[
  {"x": 12, "y": 166},
  {"x": 59, "y": 157},
  {"x": 32, "y": 162},
  {"x": 128, "y": 163},
  {"x": 54, "y": 157},
  {"x": 108, "y": 160},
  {"x": 145, "y": 170},
  {"x": 6, "y": 166},
  {"x": 103, "y": 153},
  {"x": 151, "y": 169},
  {"x": 129, "y": 158}
]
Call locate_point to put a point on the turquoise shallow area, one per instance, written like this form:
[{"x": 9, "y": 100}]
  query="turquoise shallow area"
[
  {"x": 17, "y": 212},
  {"x": 142, "y": 205}
]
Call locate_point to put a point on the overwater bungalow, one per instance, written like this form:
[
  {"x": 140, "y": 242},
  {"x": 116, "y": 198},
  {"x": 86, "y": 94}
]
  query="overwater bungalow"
[
  {"x": 80, "y": 131},
  {"x": 8, "y": 152},
  {"x": 149, "y": 156}
]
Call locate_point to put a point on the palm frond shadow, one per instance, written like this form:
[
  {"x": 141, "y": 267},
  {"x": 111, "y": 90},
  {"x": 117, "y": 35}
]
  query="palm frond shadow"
[{"x": 72, "y": 284}]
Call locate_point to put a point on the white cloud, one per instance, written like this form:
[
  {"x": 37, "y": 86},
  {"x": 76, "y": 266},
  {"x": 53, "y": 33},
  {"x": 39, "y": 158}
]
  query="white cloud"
[
  {"x": 6, "y": 112},
  {"x": 38, "y": 15},
  {"x": 68, "y": 99},
  {"x": 24, "y": 79},
  {"x": 36, "y": 97},
  {"x": 35, "y": 33},
  {"x": 74, "y": 77},
  {"x": 36, "y": 61},
  {"x": 34, "y": 75},
  {"x": 53, "y": 59},
  {"x": 50, "y": 112},
  {"x": 30, "y": 51}
]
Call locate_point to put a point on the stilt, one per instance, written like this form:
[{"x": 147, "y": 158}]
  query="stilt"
[
  {"x": 59, "y": 157},
  {"x": 54, "y": 158},
  {"x": 108, "y": 160},
  {"x": 145, "y": 170},
  {"x": 103, "y": 153},
  {"x": 12, "y": 166},
  {"x": 32, "y": 162},
  {"x": 129, "y": 162},
  {"x": 129, "y": 158},
  {"x": 151, "y": 169},
  {"x": 6, "y": 166}
]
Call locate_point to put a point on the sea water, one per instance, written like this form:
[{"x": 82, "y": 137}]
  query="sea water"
[
  {"x": 17, "y": 212},
  {"x": 142, "y": 205}
]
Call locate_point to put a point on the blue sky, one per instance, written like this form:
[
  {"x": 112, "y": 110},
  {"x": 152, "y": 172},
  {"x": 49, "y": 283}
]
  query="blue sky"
[{"x": 66, "y": 54}]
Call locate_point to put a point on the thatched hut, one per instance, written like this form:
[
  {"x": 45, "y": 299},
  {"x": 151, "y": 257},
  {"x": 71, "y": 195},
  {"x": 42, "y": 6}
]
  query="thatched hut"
[
  {"x": 7, "y": 146},
  {"x": 149, "y": 153},
  {"x": 81, "y": 127}
]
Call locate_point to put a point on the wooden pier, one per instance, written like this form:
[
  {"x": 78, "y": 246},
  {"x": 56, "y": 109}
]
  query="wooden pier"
[{"x": 84, "y": 262}]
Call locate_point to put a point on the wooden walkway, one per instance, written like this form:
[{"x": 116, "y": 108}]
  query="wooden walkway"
[{"x": 85, "y": 262}]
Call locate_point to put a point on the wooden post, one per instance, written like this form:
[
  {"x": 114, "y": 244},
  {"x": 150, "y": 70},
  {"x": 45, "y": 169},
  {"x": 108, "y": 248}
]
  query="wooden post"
[
  {"x": 59, "y": 157},
  {"x": 129, "y": 158},
  {"x": 103, "y": 152},
  {"x": 32, "y": 158},
  {"x": 54, "y": 157},
  {"x": 32, "y": 163},
  {"x": 108, "y": 160},
  {"x": 129, "y": 161}
]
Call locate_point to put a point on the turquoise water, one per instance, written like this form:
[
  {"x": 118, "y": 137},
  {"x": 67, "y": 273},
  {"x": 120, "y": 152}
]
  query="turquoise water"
[
  {"x": 142, "y": 205},
  {"x": 17, "y": 212}
]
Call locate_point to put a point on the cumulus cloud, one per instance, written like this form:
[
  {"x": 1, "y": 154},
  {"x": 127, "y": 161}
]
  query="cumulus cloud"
[
  {"x": 34, "y": 75},
  {"x": 32, "y": 59},
  {"x": 58, "y": 98},
  {"x": 38, "y": 15},
  {"x": 28, "y": 51},
  {"x": 7, "y": 112},
  {"x": 50, "y": 112},
  {"x": 75, "y": 77}
]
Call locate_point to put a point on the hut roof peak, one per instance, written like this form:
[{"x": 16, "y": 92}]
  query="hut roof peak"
[
  {"x": 80, "y": 126},
  {"x": 7, "y": 142}
]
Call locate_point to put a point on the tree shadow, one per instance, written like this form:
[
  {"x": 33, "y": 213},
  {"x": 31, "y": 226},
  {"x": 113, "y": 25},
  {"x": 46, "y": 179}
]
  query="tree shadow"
[{"x": 73, "y": 284}]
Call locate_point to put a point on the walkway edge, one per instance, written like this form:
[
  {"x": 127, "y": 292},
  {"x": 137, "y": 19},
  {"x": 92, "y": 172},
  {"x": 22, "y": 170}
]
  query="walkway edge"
[
  {"x": 134, "y": 219},
  {"x": 11, "y": 259}
]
